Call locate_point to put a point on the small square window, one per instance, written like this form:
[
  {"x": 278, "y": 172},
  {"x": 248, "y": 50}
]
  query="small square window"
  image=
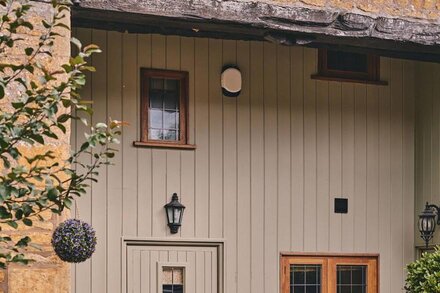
[
  {"x": 164, "y": 107},
  {"x": 172, "y": 279},
  {"x": 348, "y": 66}
]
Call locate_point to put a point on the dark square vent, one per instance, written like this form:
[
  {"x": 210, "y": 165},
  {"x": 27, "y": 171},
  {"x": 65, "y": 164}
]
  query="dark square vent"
[{"x": 341, "y": 205}]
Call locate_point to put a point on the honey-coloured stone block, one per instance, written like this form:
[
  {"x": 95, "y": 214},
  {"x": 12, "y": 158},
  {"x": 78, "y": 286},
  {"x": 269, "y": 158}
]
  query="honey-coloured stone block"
[
  {"x": 47, "y": 273},
  {"x": 38, "y": 279},
  {"x": 2, "y": 276}
]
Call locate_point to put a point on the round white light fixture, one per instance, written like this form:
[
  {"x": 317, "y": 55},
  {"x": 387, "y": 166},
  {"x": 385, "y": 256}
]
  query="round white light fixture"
[{"x": 231, "y": 81}]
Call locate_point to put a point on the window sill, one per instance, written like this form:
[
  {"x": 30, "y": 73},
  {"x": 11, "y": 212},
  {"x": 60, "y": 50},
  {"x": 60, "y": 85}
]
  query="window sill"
[
  {"x": 342, "y": 79},
  {"x": 143, "y": 144}
]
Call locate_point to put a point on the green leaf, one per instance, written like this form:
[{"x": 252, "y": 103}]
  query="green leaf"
[
  {"x": 45, "y": 24},
  {"x": 19, "y": 258},
  {"x": 60, "y": 24},
  {"x": 88, "y": 68},
  {"x": 17, "y": 105},
  {"x": 27, "y": 222},
  {"x": 38, "y": 138},
  {"x": 77, "y": 60},
  {"x": 63, "y": 118},
  {"x": 4, "y": 213},
  {"x": 2, "y": 91},
  {"x": 76, "y": 42},
  {"x": 67, "y": 203},
  {"x": 23, "y": 242},
  {"x": 84, "y": 146},
  {"x": 110, "y": 155},
  {"x": 19, "y": 214},
  {"x": 90, "y": 49},
  {"x": 53, "y": 194},
  {"x": 29, "y": 51},
  {"x": 28, "y": 25},
  {"x": 62, "y": 127},
  {"x": 13, "y": 224},
  {"x": 50, "y": 134}
]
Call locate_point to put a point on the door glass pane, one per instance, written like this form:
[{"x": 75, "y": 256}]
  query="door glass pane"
[
  {"x": 305, "y": 278},
  {"x": 351, "y": 279},
  {"x": 172, "y": 280}
]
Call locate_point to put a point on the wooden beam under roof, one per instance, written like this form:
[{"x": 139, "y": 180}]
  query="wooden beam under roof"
[{"x": 289, "y": 25}]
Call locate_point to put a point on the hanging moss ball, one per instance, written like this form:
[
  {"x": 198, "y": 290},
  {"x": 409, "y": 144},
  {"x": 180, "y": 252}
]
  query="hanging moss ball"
[{"x": 74, "y": 241}]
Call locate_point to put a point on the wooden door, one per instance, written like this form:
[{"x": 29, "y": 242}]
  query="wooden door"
[
  {"x": 172, "y": 269},
  {"x": 329, "y": 274}
]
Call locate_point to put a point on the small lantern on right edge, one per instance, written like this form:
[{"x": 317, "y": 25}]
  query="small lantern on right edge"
[
  {"x": 427, "y": 222},
  {"x": 174, "y": 210}
]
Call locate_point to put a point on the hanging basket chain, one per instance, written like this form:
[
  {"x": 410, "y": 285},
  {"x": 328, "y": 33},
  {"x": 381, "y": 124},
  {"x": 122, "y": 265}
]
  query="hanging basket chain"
[{"x": 76, "y": 209}]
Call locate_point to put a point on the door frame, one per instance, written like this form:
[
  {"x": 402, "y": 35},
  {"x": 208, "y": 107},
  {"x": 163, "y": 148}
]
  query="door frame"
[
  {"x": 284, "y": 260},
  {"x": 219, "y": 244}
]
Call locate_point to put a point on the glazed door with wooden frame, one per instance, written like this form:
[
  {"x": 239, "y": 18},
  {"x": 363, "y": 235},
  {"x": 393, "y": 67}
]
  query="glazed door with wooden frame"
[{"x": 329, "y": 274}]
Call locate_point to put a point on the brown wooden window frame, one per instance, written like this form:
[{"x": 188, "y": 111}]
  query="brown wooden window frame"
[
  {"x": 372, "y": 76},
  {"x": 146, "y": 75},
  {"x": 329, "y": 263}
]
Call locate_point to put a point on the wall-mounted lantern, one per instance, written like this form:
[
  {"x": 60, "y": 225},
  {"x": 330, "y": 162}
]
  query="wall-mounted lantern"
[
  {"x": 427, "y": 222},
  {"x": 174, "y": 210}
]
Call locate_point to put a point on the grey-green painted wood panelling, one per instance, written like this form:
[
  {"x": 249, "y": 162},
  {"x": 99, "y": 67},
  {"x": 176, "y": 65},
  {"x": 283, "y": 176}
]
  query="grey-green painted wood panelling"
[{"x": 268, "y": 164}]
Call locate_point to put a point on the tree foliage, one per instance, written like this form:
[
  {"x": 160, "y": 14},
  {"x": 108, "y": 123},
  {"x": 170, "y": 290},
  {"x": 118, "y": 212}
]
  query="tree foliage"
[
  {"x": 424, "y": 274},
  {"x": 37, "y": 103}
]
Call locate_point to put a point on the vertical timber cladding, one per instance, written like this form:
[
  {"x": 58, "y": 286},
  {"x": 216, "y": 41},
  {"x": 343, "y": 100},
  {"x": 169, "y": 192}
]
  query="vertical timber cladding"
[
  {"x": 427, "y": 140},
  {"x": 48, "y": 273},
  {"x": 267, "y": 165}
]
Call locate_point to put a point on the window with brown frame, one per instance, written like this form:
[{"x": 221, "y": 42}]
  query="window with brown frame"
[
  {"x": 329, "y": 273},
  {"x": 164, "y": 109},
  {"x": 348, "y": 66}
]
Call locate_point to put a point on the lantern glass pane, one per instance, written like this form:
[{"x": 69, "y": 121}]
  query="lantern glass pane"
[
  {"x": 170, "y": 215},
  {"x": 177, "y": 213},
  {"x": 426, "y": 224}
]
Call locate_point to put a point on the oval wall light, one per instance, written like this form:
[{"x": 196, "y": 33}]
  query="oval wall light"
[{"x": 231, "y": 81}]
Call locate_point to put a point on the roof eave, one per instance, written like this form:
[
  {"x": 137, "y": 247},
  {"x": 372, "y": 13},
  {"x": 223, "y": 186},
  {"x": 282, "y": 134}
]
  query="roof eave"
[{"x": 290, "y": 25}]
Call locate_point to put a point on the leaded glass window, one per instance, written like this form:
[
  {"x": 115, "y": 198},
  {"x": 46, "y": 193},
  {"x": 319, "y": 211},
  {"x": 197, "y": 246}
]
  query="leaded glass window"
[
  {"x": 327, "y": 273},
  {"x": 163, "y": 106},
  {"x": 305, "y": 278},
  {"x": 352, "y": 279},
  {"x": 164, "y": 109}
]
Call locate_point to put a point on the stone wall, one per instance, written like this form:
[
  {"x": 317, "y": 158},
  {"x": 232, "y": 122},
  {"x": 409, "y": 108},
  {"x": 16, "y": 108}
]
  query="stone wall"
[
  {"x": 422, "y": 9},
  {"x": 47, "y": 273}
]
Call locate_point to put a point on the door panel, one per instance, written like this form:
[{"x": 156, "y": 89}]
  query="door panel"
[{"x": 146, "y": 273}]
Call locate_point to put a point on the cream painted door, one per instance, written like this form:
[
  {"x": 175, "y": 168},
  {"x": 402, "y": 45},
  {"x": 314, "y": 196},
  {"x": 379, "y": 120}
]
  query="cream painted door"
[{"x": 172, "y": 269}]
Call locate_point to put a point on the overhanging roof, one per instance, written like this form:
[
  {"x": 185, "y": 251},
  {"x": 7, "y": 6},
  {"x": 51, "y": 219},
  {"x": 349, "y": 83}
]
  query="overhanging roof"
[{"x": 250, "y": 20}]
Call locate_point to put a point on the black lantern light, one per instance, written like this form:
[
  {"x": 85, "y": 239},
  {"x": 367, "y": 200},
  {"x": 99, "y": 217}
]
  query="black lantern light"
[
  {"x": 427, "y": 222},
  {"x": 174, "y": 210}
]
